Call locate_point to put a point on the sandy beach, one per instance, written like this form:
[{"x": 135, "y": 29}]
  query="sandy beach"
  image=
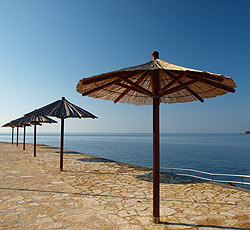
[{"x": 95, "y": 193}]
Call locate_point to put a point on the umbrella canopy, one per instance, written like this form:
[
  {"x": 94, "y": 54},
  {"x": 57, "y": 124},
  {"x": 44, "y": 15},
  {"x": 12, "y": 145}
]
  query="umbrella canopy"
[
  {"x": 9, "y": 124},
  {"x": 62, "y": 109},
  {"x": 152, "y": 83},
  {"x": 134, "y": 85},
  {"x": 34, "y": 120}
]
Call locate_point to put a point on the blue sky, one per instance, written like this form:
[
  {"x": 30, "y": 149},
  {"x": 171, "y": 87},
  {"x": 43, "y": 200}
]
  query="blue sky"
[{"x": 47, "y": 46}]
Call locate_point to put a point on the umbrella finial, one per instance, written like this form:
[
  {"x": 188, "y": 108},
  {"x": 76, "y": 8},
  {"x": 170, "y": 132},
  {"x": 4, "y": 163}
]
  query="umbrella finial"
[
  {"x": 63, "y": 98},
  {"x": 155, "y": 55}
]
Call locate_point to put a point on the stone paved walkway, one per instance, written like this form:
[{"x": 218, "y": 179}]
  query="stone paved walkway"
[{"x": 94, "y": 193}]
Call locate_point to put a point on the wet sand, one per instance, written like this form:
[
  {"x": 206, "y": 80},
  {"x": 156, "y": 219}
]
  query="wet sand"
[{"x": 95, "y": 193}]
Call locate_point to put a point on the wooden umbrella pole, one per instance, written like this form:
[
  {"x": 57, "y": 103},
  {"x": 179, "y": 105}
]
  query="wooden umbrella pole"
[
  {"x": 62, "y": 135},
  {"x": 17, "y": 136},
  {"x": 156, "y": 154},
  {"x": 156, "y": 161},
  {"x": 24, "y": 130},
  {"x": 34, "y": 140},
  {"x": 12, "y": 135}
]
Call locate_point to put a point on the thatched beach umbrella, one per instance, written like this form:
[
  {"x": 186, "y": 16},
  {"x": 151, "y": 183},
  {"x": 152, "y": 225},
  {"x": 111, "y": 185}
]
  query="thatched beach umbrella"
[
  {"x": 12, "y": 125},
  {"x": 155, "y": 82},
  {"x": 24, "y": 133},
  {"x": 17, "y": 131},
  {"x": 21, "y": 124},
  {"x": 62, "y": 109},
  {"x": 34, "y": 120},
  {"x": 38, "y": 120}
]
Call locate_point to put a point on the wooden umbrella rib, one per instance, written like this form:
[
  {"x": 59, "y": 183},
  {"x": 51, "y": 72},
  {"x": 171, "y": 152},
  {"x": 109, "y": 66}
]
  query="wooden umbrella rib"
[
  {"x": 164, "y": 89},
  {"x": 212, "y": 83},
  {"x": 104, "y": 76},
  {"x": 180, "y": 87},
  {"x": 101, "y": 87},
  {"x": 194, "y": 94},
  {"x": 136, "y": 86},
  {"x": 130, "y": 88},
  {"x": 205, "y": 75},
  {"x": 122, "y": 94},
  {"x": 204, "y": 80},
  {"x": 86, "y": 81}
]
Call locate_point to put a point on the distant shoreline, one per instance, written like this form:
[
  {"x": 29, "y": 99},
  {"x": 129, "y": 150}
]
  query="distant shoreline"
[{"x": 246, "y": 132}]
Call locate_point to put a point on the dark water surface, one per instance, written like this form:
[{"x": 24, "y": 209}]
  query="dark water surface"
[{"x": 216, "y": 153}]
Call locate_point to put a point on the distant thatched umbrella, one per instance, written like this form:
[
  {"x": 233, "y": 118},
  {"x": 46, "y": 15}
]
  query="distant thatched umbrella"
[
  {"x": 34, "y": 120},
  {"x": 62, "y": 109},
  {"x": 38, "y": 120},
  {"x": 12, "y": 125},
  {"x": 21, "y": 124},
  {"x": 152, "y": 83}
]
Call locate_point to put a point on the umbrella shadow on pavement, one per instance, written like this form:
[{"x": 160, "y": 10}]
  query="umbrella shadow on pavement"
[
  {"x": 168, "y": 178},
  {"x": 96, "y": 159},
  {"x": 69, "y": 152},
  {"x": 49, "y": 147},
  {"x": 201, "y": 226}
]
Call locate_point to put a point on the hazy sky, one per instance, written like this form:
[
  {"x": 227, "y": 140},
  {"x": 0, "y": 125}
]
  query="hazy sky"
[{"x": 47, "y": 46}]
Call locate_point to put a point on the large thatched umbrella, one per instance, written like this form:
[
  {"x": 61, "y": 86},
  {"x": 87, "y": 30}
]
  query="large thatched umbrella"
[
  {"x": 62, "y": 109},
  {"x": 152, "y": 83},
  {"x": 33, "y": 120}
]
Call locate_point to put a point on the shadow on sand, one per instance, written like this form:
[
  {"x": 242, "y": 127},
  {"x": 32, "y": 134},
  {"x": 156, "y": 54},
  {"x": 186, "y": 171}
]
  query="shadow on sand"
[
  {"x": 168, "y": 178},
  {"x": 96, "y": 159},
  {"x": 201, "y": 226},
  {"x": 48, "y": 147},
  {"x": 71, "y": 152}
]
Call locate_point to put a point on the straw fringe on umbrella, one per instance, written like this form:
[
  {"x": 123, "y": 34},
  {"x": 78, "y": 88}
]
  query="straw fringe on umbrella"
[
  {"x": 156, "y": 82},
  {"x": 62, "y": 109}
]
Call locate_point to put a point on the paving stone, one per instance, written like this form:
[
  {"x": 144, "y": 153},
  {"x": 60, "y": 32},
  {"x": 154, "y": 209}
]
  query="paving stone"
[{"x": 34, "y": 194}]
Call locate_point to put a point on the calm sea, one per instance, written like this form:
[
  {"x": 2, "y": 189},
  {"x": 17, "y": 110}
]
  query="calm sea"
[{"x": 216, "y": 153}]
